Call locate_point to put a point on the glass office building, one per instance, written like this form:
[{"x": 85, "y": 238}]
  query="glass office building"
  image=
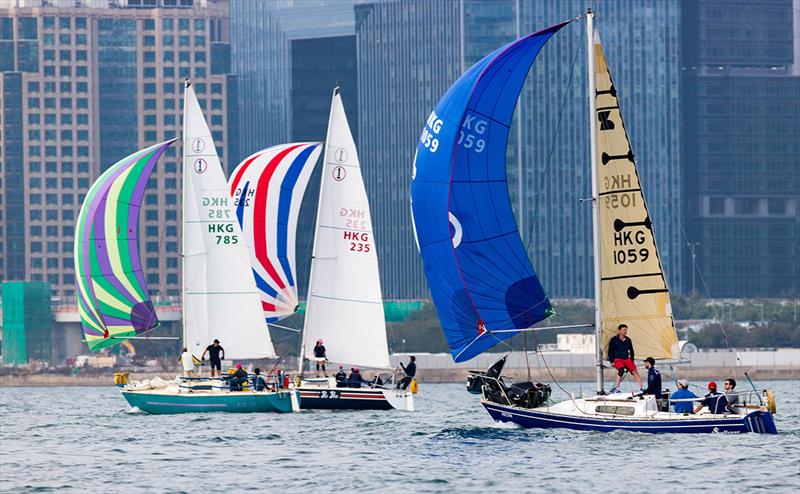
[{"x": 741, "y": 112}]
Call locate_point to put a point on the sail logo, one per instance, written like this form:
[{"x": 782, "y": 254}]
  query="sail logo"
[
  {"x": 200, "y": 165},
  {"x": 605, "y": 122},
  {"x": 340, "y": 155},
  {"x": 455, "y": 227},
  {"x": 198, "y": 145},
  {"x": 429, "y": 135},
  {"x": 339, "y": 173}
]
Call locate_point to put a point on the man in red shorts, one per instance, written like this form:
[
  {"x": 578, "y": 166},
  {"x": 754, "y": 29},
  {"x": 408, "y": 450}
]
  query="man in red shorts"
[{"x": 620, "y": 354}]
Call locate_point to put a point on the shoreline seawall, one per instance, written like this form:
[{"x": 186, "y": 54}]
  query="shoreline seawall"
[{"x": 453, "y": 375}]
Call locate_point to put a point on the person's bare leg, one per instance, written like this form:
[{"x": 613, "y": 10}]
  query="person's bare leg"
[
  {"x": 619, "y": 378},
  {"x": 636, "y": 376}
]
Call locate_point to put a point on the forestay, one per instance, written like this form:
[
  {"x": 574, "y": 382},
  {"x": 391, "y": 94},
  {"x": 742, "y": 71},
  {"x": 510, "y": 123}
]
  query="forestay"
[
  {"x": 345, "y": 306},
  {"x": 111, "y": 293},
  {"x": 633, "y": 289},
  {"x": 477, "y": 267},
  {"x": 267, "y": 190},
  {"x": 220, "y": 298}
]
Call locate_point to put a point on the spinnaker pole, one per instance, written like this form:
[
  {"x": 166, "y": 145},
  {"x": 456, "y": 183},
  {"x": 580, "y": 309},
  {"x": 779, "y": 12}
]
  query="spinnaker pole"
[{"x": 598, "y": 324}]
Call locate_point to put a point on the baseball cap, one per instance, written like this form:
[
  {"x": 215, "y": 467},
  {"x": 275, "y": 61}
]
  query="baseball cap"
[
  {"x": 712, "y": 385},
  {"x": 683, "y": 382}
]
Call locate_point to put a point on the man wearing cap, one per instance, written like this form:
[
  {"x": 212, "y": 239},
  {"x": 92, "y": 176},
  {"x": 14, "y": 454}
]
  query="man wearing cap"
[
  {"x": 355, "y": 380},
  {"x": 238, "y": 378},
  {"x": 214, "y": 350},
  {"x": 682, "y": 393},
  {"x": 653, "y": 378},
  {"x": 320, "y": 357},
  {"x": 714, "y": 400},
  {"x": 341, "y": 378}
]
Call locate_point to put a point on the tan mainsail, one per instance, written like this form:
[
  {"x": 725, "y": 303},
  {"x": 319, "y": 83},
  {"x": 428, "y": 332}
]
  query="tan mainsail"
[{"x": 633, "y": 289}]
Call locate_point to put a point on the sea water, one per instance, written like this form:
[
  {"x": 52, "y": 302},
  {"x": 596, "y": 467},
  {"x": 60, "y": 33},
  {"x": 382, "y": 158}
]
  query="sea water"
[{"x": 88, "y": 440}]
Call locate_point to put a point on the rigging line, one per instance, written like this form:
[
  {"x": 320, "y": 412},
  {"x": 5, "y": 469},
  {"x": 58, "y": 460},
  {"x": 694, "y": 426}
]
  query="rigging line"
[
  {"x": 273, "y": 325},
  {"x": 549, "y": 160}
]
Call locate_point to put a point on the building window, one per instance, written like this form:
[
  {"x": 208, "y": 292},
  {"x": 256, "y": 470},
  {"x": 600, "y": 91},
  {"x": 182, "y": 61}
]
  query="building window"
[
  {"x": 149, "y": 41},
  {"x": 80, "y": 23},
  {"x": 199, "y": 41},
  {"x": 183, "y": 56},
  {"x": 167, "y": 24},
  {"x": 81, "y": 71},
  {"x": 64, "y": 22},
  {"x": 149, "y": 56},
  {"x": 149, "y": 119},
  {"x": 168, "y": 56},
  {"x": 169, "y": 72},
  {"x": 169, "y": 119},
  {"x": 183, "y": 24},
  {"x": 80, "y": 39},
  {"x": 149, "y": 24}
]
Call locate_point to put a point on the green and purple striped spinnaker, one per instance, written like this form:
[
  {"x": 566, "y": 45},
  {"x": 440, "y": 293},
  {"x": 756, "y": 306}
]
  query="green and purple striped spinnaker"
[{"x": 112, "y": 296}]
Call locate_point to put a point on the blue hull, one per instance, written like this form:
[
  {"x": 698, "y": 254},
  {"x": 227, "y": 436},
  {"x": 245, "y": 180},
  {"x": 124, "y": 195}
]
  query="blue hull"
[
  {"x": 757, "y": 421},
  {"x": 244, "y": 402}
]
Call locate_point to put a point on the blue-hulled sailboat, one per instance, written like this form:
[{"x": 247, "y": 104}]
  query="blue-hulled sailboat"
[{"x": 481, "y": 280}]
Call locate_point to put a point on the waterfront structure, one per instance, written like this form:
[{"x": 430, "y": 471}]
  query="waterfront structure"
[
  {"x": 399, "y": 82},
  {"x": 84, "y": 84},
  {"x": 26, "y": 322},
  {"x": 741, "y": 112}
]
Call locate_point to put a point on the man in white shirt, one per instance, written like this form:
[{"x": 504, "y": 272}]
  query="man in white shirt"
[{"x": 187, "y": 360}]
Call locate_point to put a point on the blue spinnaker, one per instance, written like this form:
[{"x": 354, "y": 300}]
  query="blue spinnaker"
[{"x": 478, "y": 271}]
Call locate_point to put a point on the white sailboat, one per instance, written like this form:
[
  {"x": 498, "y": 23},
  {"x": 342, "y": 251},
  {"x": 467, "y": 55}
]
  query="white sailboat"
[
  {"x": 220, "y": 299},
  {"x": 344, "y": 304}
]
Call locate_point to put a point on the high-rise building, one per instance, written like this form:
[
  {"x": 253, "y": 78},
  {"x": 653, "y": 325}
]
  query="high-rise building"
[
  {"x": 409, "y": 52},
  {"x": 741, "y": 114},
  {"x": 84, "y": 84},
  {"x": 288, "y": 56}
]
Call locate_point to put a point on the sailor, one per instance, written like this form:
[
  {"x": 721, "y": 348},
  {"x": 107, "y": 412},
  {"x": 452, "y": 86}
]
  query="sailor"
[
  {"x": 620, "y": 354},
  {"x": 731, "y": 395},
  {"x": 341, "y": 378},
  {"x": 714, "y": 400},
  {"x": 682, "y": 393},
  {"x": 320, "y": 357},
  {"x": 653, "y": 378},
  {"x": 377, "y": 381},
  {"x": 214, "y": 350},
  {"x": 238, "y": 378},
  {"x": 355, "y": 380},
  {"x": 187, "y": 361},
  {"x": 410, "y": 370},
  {"x": 258, "y": 382}
]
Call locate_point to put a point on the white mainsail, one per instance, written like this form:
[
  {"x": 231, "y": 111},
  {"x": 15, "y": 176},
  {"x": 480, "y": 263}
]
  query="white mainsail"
[
  {"x": 633, "y": 288},
  {"x": 345, "y": 306},
  {"x": 220, "y": 299}
]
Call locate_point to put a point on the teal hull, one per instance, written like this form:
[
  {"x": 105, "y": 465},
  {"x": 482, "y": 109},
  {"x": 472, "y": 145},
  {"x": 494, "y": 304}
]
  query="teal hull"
[{"x": 233, "y": 402}]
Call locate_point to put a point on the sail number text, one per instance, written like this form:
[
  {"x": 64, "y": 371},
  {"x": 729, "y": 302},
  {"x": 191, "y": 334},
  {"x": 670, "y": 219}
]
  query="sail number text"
[
  {"x": 631, "y": 250},
  {"x": 429, "y": 137},
  {"x": 358, "y": 241},
  {"x": 472, "y": 131},
  {"x": 217, "y": 209}
]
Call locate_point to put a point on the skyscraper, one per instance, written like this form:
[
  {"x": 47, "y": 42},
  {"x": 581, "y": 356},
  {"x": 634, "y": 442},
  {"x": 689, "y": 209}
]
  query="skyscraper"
[
  {"x": 84, "y": 84},
  {"x": 741, "y": 112}
]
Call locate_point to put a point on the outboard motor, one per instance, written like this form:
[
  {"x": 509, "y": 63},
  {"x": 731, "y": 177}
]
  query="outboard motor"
[{"x": 475, "y": 379}]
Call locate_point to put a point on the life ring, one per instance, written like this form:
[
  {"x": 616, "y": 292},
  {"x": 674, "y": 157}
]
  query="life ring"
[{"x": 771, "y": 402}]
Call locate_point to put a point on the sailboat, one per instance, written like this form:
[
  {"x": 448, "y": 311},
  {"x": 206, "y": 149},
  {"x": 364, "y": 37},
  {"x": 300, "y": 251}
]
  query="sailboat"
[
  {"x": 344, "y": 304},
  {"x": 219, "y": 295},
  {"x": 481, "y": 279}
]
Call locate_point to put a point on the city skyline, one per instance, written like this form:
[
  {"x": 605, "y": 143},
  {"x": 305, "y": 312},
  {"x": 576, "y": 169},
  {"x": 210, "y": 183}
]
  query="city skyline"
[{"x": 104, "y": 83}]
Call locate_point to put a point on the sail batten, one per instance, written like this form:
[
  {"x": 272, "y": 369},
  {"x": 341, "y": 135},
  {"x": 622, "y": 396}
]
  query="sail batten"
[
  {"x": 111, "y": 293},
  {"x": 633, "y": 288},
  {"x": 477, "y": 267}
]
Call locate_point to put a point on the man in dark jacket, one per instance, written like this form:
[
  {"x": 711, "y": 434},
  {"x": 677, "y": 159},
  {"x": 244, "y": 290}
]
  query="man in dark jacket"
[
  {"x": 341, "y": 378},
  {"x": 620, "y": 354},
  {"x": 410, "y": 370},
  {"x": 653, "y": 378},
  {"x": 714, "y": 400}
]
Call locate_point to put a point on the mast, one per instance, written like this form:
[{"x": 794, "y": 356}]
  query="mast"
[
  {"x": 598, "y": 320},
  {"x": 316, "y": 237},
  {"x": 183, "y": 217}
]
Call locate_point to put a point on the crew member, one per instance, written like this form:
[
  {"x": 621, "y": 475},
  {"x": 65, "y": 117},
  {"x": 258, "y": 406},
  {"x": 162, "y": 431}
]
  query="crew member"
[
  {"x": 214, "y": 350},
  {"x": 682, "y": 393},
  {"x": 714, "y": 400},
  {"x": 730, "y": 394},
  {"x": 320, "y": 357},
  {"x": 410, "y": 371},
  {"x": 653, "y": 378},
  {"x": 187, "y": 361},
  {"x": 620, "y": 354},
  {"x": 341, "y": 378}
]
